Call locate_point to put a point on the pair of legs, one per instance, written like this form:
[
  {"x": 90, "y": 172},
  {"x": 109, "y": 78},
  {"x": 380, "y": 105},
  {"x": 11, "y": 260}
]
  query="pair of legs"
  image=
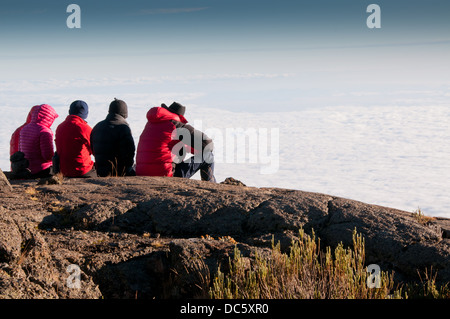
[
  {"x": 42, "y": 174},
  {"x": 188, "y": 168},
  {"x": 90, "y": 174},
  {"x": 55, "y": 169}
]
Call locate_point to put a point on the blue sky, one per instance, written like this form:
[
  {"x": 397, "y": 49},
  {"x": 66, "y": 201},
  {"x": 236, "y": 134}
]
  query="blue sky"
[{"x": 317, "y": 48}]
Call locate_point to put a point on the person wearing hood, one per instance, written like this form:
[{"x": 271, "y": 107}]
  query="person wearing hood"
[
  {"x": 19, "y": 164},
  {"x": 73, "y": 144},
  {"x": 36, "y": 140},
  {"x": 14, "y": 142},
  {"x": 165, "y": 142},
  {"x": 113, "y": 144}
]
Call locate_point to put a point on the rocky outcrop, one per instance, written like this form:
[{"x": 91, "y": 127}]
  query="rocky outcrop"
[
  {"x": 5, "y": 186},
  {"x": 150, "y": 237}
]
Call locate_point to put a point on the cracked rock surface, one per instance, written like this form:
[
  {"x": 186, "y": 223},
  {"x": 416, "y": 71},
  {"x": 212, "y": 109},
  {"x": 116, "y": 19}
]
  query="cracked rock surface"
[{"x": 142, "y": 237}]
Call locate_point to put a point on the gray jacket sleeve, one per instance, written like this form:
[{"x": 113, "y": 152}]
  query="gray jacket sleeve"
[{"x": 193, "y": 138}]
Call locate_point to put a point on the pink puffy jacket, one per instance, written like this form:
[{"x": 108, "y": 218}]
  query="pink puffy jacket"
[
  {"x": 36, "y": 138},
  {"x": 14, "y": 143}
]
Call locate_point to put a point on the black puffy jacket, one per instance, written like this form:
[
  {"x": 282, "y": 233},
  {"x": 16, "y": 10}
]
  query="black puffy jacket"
[{"x": 113, "y": 147}]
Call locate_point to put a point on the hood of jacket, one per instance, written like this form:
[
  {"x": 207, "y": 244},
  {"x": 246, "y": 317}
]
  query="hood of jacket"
[
  {"x": 31, "y": 113},
  {"x": 75, "y": 119},
  {"x": 43, "y": 115},
  {"x": 116, "y": 119},
  {"x": 160, "y": 114}
]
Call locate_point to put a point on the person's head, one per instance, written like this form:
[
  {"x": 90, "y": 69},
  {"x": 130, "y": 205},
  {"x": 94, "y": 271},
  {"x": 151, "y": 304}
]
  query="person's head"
[
  {"x": 118, "y": 107},
  {"x": 79, "y": 108},
  {"x": 43, "y": 114},
  {"x": 176, "y": 108}
]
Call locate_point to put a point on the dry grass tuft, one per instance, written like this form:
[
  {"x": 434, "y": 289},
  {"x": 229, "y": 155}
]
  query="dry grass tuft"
[
  {"x": 304, "y": 273},
  {"x": 421, "y": 217}
]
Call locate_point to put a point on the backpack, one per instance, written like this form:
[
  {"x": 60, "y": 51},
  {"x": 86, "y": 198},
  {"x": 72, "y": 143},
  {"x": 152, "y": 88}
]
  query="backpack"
[{"x": 19, "y": 166}]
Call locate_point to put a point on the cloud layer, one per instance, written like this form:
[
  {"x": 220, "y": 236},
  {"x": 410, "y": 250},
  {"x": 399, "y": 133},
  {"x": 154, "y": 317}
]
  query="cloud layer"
[{"x": 394, "y": 156}]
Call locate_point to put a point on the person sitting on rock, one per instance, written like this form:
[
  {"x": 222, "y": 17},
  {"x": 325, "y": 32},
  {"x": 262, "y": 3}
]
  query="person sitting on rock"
[
  {"x": 19, "y": 164},
  {"x": 165, "y": 141},
  {"x": 36, "y": 140},
  {"x": 113, "y": 144},
  {"x": 14, "y": 142},
  {"x": 73, "y": 143}
]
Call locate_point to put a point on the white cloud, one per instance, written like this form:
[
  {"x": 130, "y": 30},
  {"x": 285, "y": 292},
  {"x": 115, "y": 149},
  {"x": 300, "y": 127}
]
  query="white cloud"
[
  {"x": 391, "y": 156},
  {"x": 18, "y": 86},
  {"x": 387, "y": 155}
]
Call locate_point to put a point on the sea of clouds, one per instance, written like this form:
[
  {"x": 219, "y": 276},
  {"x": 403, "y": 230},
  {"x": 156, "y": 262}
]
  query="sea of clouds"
[{"x": 395, "y": 156}]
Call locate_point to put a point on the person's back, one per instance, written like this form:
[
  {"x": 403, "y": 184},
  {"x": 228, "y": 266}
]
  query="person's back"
[
  {"x": 36, "y": 139},
  {"x": 154, "y": 155},
  {"x": 113, "y": 144},
  {"x": 73, "y": 144},
  {"x": 14, "y": 142},
  {"x": 161, "y": 151}
]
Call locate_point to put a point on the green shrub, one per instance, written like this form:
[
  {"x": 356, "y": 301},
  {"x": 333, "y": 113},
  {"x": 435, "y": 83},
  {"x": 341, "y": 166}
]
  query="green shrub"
[{"x": 305, "y": 273}]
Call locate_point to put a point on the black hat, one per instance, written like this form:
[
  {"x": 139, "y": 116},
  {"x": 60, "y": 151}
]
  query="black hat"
[
  {"x": 176, "y": 108},
  {"x": 119, "y": 107}
]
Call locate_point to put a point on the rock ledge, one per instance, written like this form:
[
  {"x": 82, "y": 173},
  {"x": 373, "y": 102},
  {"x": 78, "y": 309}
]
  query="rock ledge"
[{"x": 139, "y": 236}]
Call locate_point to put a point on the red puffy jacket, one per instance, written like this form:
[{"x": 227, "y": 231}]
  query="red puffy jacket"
[
  {"x": 154, "y": 153},
  {"x": 14, "y": 143},
  {"x": 73, "y": 146},
  {"x": 36, "y": 138}
]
